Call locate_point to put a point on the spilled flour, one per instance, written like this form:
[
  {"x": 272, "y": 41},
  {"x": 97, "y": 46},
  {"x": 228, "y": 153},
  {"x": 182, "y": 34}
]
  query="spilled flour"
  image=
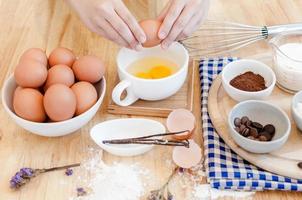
[
  {"x": 205, "y": 192},
  {"x": 111, "y": 182}
]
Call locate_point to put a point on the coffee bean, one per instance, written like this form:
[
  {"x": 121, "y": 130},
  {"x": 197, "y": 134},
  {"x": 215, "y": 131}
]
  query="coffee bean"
[
  {"x": 237, "y": 129},
  {"x": 257, "y": 125},
  {"x": 266, "y": 135},
  {"x": 237, "y": 122},
  {"x": 263, "y": 138},
  {"x": 254, "y": 132},
  {"x": 300, "y": 165},
  {"x": 241, "y": 128},
  {"x": 244, "y": 120},
  {"x": 248, "y": 123},
  {"x": 269, "y": 128},
  {"x": 245, "y": 132}
]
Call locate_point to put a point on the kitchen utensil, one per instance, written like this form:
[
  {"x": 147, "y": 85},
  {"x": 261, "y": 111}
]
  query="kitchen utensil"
[
  {"x": 296, "y": 109},
  {"x": 182, "y": 99},
  {"x": 216, "y": 37},
  {"x": 238, "y": 67},
  {"x": 287, "y": 64},
  {"x": 51, "y": 129},
  {"x": 125, "y": 128},
  {"x": 146, "y": 89},
  {"x": 264, "y": 113}
]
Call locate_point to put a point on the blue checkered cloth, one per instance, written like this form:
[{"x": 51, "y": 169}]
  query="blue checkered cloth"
[{"x": 225, "y": 169}]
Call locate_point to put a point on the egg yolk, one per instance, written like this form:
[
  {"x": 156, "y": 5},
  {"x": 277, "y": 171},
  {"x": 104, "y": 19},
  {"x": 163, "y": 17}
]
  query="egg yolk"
[
  {"x": 160, "y": 72},
  {"x": 143, "y": 75}
]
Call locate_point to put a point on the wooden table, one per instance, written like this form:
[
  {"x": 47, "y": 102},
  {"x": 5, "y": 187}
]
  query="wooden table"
[{"x": 50, "y": 23}]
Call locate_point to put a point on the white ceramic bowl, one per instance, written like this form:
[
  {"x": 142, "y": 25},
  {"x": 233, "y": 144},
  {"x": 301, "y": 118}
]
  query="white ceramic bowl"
[
  {"x": 238, "y": 67},
  {"x": 51, "y": 129},
  {"x": 263, "y": 113},
  {"x": 294, "y": 109},
  {"x": 122, "y": 129}
]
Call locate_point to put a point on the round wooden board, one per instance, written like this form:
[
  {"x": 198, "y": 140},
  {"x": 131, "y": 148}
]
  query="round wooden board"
[{"x": 283, "y": 161}]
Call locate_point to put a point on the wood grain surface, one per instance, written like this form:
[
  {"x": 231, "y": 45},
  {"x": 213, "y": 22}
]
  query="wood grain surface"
[{"x": 50, "y": 23}]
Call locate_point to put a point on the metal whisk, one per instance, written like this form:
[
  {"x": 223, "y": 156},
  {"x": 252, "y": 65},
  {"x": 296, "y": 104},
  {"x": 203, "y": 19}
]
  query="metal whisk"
[{"x": 215, "y": 38}]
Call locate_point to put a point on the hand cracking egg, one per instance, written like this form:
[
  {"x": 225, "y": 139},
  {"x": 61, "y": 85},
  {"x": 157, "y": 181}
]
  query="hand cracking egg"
[{"x": 151, "y": 28}]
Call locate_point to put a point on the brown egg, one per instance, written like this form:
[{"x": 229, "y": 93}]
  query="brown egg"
[
  {"x": 86, "y": 96},
  {"x": 30, "y": 73},
  {"x": 61, "y": 55},
  {"x": 89, "y": 68},
  {"x": 59, "y": 74},
  {"x": 151, "y": 28},
  {"x": 59, "y": 102},
  {"x": 34, "y": 54},
  {"x": 28, "y": 104}
]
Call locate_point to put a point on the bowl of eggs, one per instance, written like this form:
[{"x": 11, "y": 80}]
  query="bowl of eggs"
[{"x": 55, "y": 95}]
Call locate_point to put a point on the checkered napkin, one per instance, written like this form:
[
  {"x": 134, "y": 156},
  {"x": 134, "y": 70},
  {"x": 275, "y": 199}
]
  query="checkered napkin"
[{"x": 225, "y": 169}]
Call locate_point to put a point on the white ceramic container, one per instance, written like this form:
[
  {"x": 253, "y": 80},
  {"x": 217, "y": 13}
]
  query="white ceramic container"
[
  {"x": 146, "y": 89},
  {"x": 238, "y": 67},
  {"x": 296, "y": 109},
  {"x": 123, "y": 129},
  {"x": 50, "y": 129},
  {"x": 263, "y": 113}
]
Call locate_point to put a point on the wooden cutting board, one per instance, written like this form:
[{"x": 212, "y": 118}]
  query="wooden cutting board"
[
  {"x": 283, "y": 161},
  {"x": 182, "y": 99}
]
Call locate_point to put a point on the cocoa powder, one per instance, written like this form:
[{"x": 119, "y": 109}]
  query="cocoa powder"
[{"x": 248, "y": 81}]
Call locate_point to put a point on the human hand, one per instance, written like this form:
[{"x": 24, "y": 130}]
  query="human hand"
[
  {"x": 180, "y": 19},
  {"x": 112, "y": 20}
]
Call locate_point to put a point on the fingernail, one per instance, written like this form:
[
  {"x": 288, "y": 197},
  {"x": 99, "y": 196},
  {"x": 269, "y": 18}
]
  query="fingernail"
[
  {"x": 162, "y": 35},
  {"x": 142, "y": 39}
]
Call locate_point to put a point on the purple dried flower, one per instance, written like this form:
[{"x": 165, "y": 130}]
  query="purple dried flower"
[
  {"x": 81, "y": 191},
  {"x": 28, "y": 172},
  {"x": 22, "y": 177},
  {"x": 25, "y": 174},
  {"x": 69, "y": 172}
]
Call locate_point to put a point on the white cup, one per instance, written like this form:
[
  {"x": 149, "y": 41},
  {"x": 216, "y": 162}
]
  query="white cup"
[{"x": 146, "y": 89}]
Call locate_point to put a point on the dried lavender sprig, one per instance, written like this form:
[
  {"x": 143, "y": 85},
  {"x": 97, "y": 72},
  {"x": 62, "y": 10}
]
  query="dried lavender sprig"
[{"x": 24, "y": 175}]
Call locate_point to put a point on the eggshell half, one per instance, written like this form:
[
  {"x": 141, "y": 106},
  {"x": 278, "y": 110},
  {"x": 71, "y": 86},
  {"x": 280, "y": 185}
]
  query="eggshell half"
[
  {"x": 181, "y": 120},
  {"x": 187, "y": 157}
]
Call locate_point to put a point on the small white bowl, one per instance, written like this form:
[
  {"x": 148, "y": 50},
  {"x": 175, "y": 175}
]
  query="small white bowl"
[
  {"x": 294, "y": 108},
  {"x": 122, "y": 129},
  {"x": 238, "y": 67},
  {"x": 51, "y": 129},
  {"x": 263, "y": 113}
]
